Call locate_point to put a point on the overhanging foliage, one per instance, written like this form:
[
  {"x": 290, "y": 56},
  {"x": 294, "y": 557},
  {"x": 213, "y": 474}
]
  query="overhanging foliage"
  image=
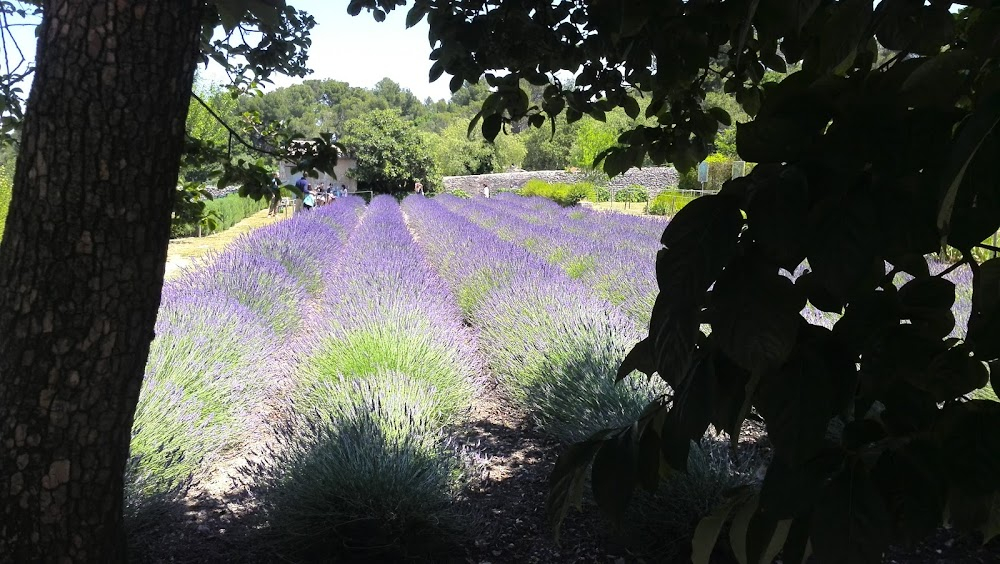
[{"x": 864, "y": 163}]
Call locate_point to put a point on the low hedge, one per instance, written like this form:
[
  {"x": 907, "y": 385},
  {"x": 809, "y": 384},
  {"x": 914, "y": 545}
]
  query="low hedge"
[
  {"x": 227, "y": 211},
  {"x": 668, "y": 203},
  {"x": 635, "y": 193},
  {"x": 560, "y": 193}
]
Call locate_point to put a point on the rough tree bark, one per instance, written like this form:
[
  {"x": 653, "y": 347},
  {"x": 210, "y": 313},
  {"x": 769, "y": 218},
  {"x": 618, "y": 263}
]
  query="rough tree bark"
[{"x": 81, "y": 266}]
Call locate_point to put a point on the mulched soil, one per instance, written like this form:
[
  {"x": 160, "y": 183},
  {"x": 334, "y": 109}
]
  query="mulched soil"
[{"x": 505, "y": 507}]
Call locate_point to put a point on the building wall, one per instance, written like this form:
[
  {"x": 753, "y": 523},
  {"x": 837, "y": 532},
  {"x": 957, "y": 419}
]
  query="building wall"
[
  {"x": 343, "y": 165},
  {"x": 653, "y": 178}
]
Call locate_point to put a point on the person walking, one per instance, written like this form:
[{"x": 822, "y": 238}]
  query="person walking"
[
  {"x": 275, "y": 193},
  {"x": 308, "y": 200},
  {"x": 486, "y": 190}
]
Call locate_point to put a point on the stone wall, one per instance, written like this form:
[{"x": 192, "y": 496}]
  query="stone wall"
[{"x": 653, "y": 178}]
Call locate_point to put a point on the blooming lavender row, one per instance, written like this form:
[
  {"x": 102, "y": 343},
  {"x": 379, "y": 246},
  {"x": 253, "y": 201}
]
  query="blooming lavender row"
[
  {"x": 386, "y": 364},
  {"x": 217, "y": 331},
  {"x": 386, "y": 309},
  {"x": 581, "y": 219},
  {"x": 552, "y": 345},
  {"x": 616, "y": 262}
]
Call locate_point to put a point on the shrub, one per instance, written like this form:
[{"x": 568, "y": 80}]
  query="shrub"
[
  {"x": 6, "y": 191},
  {"x": 260, "y": 283},
  {"x": 399, "y": 347},
  {"x": 225, "y": 212},
  {"x": 669, "y": 517},
  {"x": 668, "y": 203},
  {"x": 689, "y": 180},
  {"x": 634, "y": 193},
  {"x": 562, "y": 365},
  {"x": 372, "y": 477},
  {"x": 602, "y": 194},
  {"x": 196, "y": 394},
  {"x": 720, "y": 169},
  {"x": 232, "y": 209},
  {"x": 459, "y": 193},
  {"x": 562, "y": 194}
]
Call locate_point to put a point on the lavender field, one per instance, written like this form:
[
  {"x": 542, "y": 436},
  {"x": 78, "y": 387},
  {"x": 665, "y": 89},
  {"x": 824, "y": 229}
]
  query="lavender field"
[{"x": 328, "y": 363}]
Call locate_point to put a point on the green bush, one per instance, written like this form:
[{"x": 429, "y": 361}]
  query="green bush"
[
  {"x": 668, "y": 203},
  {"x": 459, "y": 193},
  {"x": 370, "y": 476},
  {"x": 560, "y": 193},
  {"x": 602, "y": 194},
  {"x": 225, "y": 212},
  {"x": 720, "y": 169},
  {"x": 232, "y": 209},
  {"x": 6, "y": 190},
  {"x": 634, "y": 193},
  {"x": 689, "y": 180}
]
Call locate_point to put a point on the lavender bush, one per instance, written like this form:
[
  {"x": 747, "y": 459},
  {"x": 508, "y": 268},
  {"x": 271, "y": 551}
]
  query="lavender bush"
[
  {"x": 386, "y": 364},
  {"x": 601, "y": 250},
  {"x": 373, "y": 476},
  {"x": 211, "y": 363},
  {"x": 550, "y": 343}
]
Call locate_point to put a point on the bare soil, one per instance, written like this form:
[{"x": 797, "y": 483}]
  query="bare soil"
[{"x": 182, "y": 253}]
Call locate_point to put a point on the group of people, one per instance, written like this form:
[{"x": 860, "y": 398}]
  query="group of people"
[{"x": 312, "y": 196}]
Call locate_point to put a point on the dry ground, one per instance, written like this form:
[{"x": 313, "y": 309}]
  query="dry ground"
[
  {"x": 183, "y": 252},
  {"x": 620, "y": 207}
]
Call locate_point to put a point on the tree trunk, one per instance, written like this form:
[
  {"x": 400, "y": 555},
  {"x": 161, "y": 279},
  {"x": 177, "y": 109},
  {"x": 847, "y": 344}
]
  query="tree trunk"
[{"x": 81, "y": 266}]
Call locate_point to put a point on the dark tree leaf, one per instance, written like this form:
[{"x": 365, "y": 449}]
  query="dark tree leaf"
[
  {"x": 909, "y": 480},
  {"x": 790, "y": 490},
  {"x": 963, "y": 233},
  {"x": 731, "y": 392},
  {"x": 851, "y": 523},
  {"x": 817, "y": 294},
  {"x": 639, "y": 358},
  {"x": 984, "y": 322},
  {"x": 614, "y": 475},
  {"x": 867, "y": 318},
  {"x": 927, "y": 292},
  {"x": 777, "y": 215},
  {"x": 721, "y": 116},
  {"x": 843, "y": 253},
  {"x": 798, "y": 400},
  {"x": 971, "y": 446},
  {"x": 491, "y": 126},
  {"x": 755, "y": 315},
  {"x": 567, "y": 479}
]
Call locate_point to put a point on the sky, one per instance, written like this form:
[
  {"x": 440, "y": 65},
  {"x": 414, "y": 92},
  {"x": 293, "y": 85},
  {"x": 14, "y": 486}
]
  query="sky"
[
  {"x": 357, "y": 50},
  {"x": 360, "y": 51}
]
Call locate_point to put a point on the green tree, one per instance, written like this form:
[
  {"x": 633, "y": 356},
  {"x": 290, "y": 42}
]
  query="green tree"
[
  {"x": 82, "y": 259},
  {"x": 549, "y": 150},
  {"x": 860, "y": 164},
  {"x": 390, "y": 152}
]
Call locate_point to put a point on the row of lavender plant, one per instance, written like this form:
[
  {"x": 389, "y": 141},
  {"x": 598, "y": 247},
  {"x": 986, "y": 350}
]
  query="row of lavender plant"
[
  {"x": 387, "y": 365},
  {"x": 619, "y": 230},
  {"x": 551, "y": 343},
  {"x": 219, "y": 329},
  {"x": 614, "y": 260}
]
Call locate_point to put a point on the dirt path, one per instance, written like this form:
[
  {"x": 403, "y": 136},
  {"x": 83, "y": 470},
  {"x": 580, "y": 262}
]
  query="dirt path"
[{"x": 183, "y": 252}]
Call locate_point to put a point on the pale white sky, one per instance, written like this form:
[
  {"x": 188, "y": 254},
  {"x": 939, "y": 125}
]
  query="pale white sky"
[
  {"x": 360, "y": 51},
  {"x": 357, "y": 50}
]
